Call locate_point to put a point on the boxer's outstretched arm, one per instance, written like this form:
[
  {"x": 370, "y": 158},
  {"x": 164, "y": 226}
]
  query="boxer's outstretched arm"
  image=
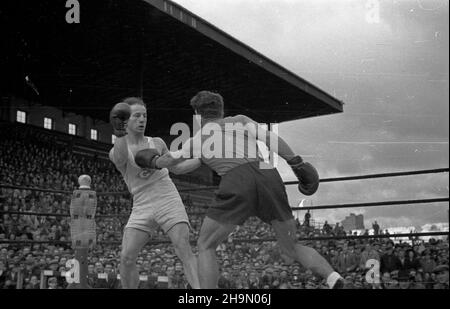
[
  {"x": 185, "y": 166},
  {"x": 173, "y": 158},
  {"x": 283, "y": 149},
  {"x": 119, "y": 153}
]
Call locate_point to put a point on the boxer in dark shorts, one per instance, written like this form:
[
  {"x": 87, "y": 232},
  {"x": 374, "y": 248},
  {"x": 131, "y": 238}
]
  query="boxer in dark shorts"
[
  {"x": 247, "y": 191},
  {"x": 248, "y": 187}
]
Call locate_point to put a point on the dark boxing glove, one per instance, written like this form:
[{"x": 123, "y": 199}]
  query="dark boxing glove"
[
  {"x": 146, "y": 158},
  {"x": 307, "y": 175},
  {"x": 118, "y": 118}
]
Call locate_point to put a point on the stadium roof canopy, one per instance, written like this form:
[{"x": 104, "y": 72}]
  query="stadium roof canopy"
[{"x": 150, "y": 48}]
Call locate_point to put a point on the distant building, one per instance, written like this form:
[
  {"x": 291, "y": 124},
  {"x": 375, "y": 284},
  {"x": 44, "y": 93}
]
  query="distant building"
[{"x": 353, "y": 222}]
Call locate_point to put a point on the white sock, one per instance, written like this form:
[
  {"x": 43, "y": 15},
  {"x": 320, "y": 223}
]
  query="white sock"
[{"x": 332, "y": 278}]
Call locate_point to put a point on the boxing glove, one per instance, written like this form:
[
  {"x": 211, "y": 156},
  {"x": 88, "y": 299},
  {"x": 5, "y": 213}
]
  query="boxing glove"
[
  {"x": 307, "y": 175},
  {"x": 118, "y": 118},
  {"x": 146, "y": 158}
]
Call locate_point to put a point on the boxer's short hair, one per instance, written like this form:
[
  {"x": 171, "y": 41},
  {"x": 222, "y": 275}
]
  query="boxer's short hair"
[
  {"x": 133, "y": 101},
  {"x": 208, "y": 104}
]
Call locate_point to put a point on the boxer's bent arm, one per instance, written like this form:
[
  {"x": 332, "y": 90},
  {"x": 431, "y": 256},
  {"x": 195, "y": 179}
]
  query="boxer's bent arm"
[
  {"x": 284, "y": 150},
  {"x": 119, "y": 153},
  {"x": 185, "y": 166}
]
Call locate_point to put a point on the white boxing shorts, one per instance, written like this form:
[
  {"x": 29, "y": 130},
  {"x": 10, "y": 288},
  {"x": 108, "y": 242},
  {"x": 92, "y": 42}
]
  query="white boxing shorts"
[{"x": 159, "y": 205}]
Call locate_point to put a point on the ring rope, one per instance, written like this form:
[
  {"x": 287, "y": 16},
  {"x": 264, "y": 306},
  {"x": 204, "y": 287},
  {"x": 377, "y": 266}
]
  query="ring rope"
[
  {"x": 370, "y": 176},
  {"x": 243, "y": 240}
]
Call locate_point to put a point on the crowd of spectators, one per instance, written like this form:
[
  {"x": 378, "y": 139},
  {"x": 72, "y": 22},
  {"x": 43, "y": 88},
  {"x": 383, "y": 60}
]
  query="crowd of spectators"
[{"x": 40, "y": 161}]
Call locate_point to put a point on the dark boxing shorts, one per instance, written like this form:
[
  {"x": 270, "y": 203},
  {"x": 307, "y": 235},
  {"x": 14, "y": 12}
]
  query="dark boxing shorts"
[{"x": 247, "y": 191}]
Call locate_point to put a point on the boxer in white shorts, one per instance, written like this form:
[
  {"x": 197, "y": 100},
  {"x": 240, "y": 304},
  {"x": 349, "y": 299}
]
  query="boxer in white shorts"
[{"x": 156, "y": 201}]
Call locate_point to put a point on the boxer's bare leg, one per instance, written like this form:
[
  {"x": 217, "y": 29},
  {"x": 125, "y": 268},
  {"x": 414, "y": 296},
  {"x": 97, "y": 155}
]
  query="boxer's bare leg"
[
  {"x": 179, "y": 235},
  {"x": 132, "y": 243}
]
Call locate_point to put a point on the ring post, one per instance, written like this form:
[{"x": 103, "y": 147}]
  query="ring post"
[{"x": 82, "y": 229}]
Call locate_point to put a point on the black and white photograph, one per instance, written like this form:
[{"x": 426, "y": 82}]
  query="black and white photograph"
[{"x": 233, "y": 147}]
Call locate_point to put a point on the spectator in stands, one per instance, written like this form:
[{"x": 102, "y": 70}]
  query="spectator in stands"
[
  {"x": 427, "y": 263},
  {"x": 334, "y": 257},
  {"x": 402, "y": 259},
  {"x": 224, "y": 281},
  {"x": 412, "y": 262},
  {"x": 3, "y": 274},
  {"x": 348, "y": 261},
  {"x": 369, "y": 253},
  {"x": 12, "y": 274},
  {"x": 327, "y": 228},
  {"x": 418, "y": 281},
  {"x": 307, "y": 219},
  {"x": 441, "y": 277},
  {"x": 392, "y": 284},
  {"x": 376, "y": 228},
  {"x": 52, "y": 283},
  {"x": 91, "y": 274},
  {"x": 324, "y": 252},
  {"x": 33, "y": 284},
  {"x": 108, "y": 278},
  {"x": 404, "y": 280},
  {"x": 340, "y": 230},
  {"x": 267, "y": 277},
  {"x": 389, "y": 261},
  {"x": 254, "y": 281}
]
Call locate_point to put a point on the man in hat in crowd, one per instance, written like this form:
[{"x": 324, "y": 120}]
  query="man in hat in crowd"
[{"x": 441, "y": 276}]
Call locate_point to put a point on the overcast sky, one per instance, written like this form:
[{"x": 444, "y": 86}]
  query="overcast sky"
[{"x": 390, "y": 69}]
